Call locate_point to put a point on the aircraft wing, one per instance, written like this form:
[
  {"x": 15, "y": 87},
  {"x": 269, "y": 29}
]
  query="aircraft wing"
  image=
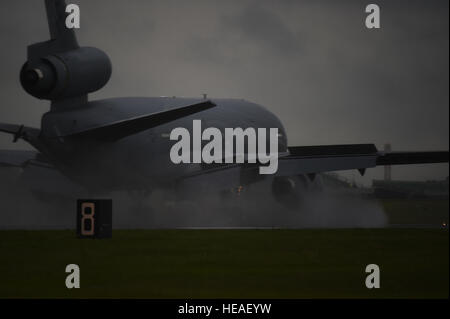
[
  {"x": 310, "y": 160},
  {"x": 319, "y": 159}
]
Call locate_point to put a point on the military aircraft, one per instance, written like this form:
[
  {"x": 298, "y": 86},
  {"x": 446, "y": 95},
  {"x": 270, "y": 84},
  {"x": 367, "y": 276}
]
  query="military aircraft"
[{"x": 123, "y": 143}]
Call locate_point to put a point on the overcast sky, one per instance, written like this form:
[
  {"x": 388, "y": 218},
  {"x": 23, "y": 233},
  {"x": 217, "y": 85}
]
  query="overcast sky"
[{"x": 313, "y": 63}]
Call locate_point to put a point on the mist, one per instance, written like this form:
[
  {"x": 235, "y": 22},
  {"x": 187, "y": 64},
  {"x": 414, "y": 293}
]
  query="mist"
[{"x": 251, "y": 208}]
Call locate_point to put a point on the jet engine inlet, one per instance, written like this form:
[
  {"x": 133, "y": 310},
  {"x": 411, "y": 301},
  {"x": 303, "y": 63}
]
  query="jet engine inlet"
[{"x": 68, "y": 74}]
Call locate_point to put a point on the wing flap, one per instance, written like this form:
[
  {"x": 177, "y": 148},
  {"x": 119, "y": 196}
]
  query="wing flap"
[
  {"x": 325, "y": 158},
  {"x": 288, "y": 166},
  {"x": 332, "y": 150}
]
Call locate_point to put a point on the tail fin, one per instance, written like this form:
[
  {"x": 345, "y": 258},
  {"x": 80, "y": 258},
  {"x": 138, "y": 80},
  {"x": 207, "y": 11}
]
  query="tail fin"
[{"x": 62, "y": 38}]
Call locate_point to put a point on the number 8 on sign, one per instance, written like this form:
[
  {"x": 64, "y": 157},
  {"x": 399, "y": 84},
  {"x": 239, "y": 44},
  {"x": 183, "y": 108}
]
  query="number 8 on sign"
[{"x": 87, "y": 219}]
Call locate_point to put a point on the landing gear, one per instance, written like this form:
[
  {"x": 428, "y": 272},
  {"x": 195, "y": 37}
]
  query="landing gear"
[{"x": 289, "y": 191}]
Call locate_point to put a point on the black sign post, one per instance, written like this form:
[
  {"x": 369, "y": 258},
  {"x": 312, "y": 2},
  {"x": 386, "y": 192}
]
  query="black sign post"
[{"x": 94, "y": 218}]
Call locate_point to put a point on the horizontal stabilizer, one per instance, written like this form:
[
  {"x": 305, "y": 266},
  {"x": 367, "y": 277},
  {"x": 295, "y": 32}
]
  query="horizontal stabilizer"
[
  {"x": 116, "y": 130},
  {"x": 16, "y": 158},
  {"x": 9, "y": 128}
]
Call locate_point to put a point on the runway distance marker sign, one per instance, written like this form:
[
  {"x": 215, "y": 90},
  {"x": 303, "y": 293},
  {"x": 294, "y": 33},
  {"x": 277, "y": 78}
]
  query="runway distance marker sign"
[{"x": 94, "y": 218}]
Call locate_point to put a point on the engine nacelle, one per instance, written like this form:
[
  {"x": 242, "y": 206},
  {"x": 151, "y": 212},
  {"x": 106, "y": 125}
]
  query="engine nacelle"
[
  {"x": 68, "y": 74},
  {"x": 289, "y": 191}
]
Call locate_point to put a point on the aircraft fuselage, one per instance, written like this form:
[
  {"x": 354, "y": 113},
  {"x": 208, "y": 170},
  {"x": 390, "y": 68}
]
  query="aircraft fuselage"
[{"x": 142, "y": 160}]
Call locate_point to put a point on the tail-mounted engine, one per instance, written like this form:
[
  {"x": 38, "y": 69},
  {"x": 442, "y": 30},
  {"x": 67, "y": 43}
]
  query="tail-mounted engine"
[
  {"x": 67, "y": 74},
  {"x": 59, "y": 69}
]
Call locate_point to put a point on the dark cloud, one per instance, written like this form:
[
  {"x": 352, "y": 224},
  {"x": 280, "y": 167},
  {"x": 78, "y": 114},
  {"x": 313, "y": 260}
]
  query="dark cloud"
[{"x": 257, "y": 25}]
